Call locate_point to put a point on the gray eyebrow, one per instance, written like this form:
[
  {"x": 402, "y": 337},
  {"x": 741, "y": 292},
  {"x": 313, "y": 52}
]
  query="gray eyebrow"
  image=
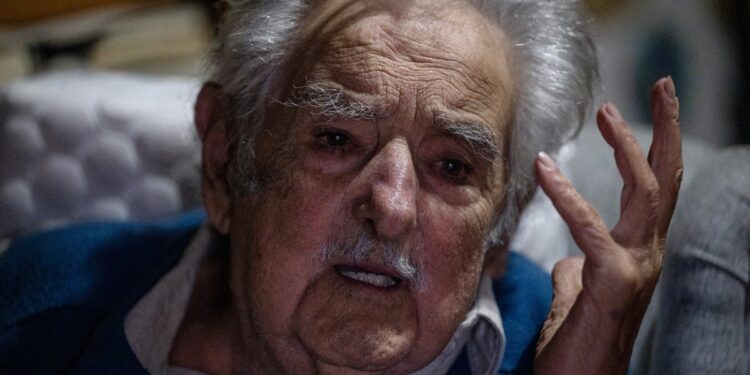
[
  {"x": 331, "y": 102},
  {"x": 477, "y": 136}
]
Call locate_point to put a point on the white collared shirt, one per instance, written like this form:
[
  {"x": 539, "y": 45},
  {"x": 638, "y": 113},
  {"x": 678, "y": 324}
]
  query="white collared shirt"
[{"x": 161, "y": 311}]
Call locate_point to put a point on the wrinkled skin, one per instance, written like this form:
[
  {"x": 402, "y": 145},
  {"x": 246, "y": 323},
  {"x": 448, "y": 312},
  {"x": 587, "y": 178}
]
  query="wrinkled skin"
[{"x": 400, "y": 179}]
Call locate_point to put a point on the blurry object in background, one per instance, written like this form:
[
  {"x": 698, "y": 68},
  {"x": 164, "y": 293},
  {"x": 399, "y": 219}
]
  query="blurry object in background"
[
  {"x": 167, "y": 38},
  {"x": 645, "y": 40},
  {"x": 161, "y": 40},
  {"x": 737, "y": 15},
  {"x": 23, "y": 11},
  {"x": 604, "y": 8},
  {"x": 15, "y": 62},
  {"x": 57, "y": 43},
  {"x": 90, "y": 146},
  {"x": 662, "y": 53}
]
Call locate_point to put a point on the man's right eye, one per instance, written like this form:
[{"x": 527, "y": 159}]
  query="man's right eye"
[{"x": 334, "y": 140}]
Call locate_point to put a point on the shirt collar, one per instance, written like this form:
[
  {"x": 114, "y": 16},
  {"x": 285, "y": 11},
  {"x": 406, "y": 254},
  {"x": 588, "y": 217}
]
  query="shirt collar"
[
  {"x": 481, "y": 333},
  {"x": 151, "y": 325}
]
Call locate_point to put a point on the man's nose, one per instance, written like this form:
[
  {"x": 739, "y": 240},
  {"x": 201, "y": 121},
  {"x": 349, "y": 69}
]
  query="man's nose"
[{"x": 393, "y": 191}]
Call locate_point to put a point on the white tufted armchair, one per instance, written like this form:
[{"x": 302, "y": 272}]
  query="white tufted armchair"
[{"x": 95, "y": 146}]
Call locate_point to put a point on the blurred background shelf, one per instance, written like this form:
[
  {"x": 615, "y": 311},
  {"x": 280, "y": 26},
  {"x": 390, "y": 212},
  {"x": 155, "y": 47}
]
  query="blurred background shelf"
[
  {"x": 703, "y": 44},
  {"x": 157, "y": 37}
]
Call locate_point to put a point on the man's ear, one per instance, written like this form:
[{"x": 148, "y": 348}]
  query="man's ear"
[
  {"x": 210, "y": 123},
  {"x": 496, "y": 260}
]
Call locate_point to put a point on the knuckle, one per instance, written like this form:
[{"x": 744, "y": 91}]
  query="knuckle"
[
  {"x": 630, "y": 280},
  {"x": 597, "y": 236},
  {"x": 587, "y": 211},
  {"x": 628, "y": 136},
  {"x": 568, "y": 192},
  {"x": 651, "y": 188},
  {"x": 587, "y": 217},
  {"x": 591, "y": 232}
]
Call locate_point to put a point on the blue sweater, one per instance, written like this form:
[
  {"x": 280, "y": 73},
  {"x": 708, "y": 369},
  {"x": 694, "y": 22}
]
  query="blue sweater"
[{"x": 64, "y": 295}]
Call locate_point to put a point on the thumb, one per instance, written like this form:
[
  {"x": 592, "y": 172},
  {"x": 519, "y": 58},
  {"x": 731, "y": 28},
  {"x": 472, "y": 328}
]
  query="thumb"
[{"x": 567, "y": 284}]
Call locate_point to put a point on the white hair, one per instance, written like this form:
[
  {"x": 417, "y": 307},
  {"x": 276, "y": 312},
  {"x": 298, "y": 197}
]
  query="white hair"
[{"x": 553, "y": 61}]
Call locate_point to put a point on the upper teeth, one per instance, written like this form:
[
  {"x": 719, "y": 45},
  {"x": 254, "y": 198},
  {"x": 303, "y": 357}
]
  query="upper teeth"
[{"x": 370, "y": 278}]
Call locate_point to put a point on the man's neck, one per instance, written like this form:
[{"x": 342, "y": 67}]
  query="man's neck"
[{"x": 205, "y": 340}]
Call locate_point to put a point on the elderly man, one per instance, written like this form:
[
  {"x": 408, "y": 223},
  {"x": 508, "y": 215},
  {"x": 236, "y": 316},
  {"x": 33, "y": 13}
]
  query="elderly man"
[{"x": 364, "y": 165}]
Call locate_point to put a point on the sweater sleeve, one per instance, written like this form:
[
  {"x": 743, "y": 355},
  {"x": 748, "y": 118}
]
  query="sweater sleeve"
[
  {"x": 59, "y": 290},
  {"x": 701, "y": 321},
  {"x": 524, "y": 296}
]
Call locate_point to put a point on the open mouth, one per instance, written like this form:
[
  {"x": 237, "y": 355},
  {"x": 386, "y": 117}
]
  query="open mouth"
[{"x": 367, "y": 277}]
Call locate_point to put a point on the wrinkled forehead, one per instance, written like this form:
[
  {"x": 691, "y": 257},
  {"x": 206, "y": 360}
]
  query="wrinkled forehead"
[
  {"x": 448, "y": 46},
  {"x": 451, "y": 29}
]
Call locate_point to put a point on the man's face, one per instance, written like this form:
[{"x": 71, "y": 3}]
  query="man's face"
[{"x": 381, "y": 169}]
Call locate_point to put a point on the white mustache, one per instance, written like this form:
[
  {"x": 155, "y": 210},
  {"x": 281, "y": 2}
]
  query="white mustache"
[{"x": 365, "y": 246}]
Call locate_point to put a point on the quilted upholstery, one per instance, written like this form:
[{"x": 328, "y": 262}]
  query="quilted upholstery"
[{"x": 95, "y": 146}]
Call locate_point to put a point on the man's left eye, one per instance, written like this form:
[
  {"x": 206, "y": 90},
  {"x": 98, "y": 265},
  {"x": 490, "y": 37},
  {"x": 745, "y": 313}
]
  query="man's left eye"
[{"x": 453, "y": 169}]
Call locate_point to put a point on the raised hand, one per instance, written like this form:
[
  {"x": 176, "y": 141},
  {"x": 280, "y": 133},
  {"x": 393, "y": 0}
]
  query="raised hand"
[{"x": 600, "y": 300}]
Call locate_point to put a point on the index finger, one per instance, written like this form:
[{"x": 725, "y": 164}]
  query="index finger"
[{"x": 586, "y": 226}]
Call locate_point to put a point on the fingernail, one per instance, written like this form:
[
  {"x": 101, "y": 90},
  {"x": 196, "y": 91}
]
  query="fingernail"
[
  {"x": 546, "y": 161},
  {"x": 669, "y": 87},
  {"x": 612, "y": 112}
]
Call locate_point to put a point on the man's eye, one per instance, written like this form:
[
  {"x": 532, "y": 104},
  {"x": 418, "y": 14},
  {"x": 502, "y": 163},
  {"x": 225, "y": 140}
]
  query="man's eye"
[
  {"x": 336, "y": 139},
  {"x": 453, "y": 169},
  {"x": 333, "y": 139}
]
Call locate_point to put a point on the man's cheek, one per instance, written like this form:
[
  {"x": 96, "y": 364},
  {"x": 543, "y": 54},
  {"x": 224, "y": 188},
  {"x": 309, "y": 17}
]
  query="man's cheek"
[
  {"x": 454, "y": 236},
  {"x": 452, "y": 252},
  {"x": 275, "y": 280},
  {"x": 451, "y": 264}
]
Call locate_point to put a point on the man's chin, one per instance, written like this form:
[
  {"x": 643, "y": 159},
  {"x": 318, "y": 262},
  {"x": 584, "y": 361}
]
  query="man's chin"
[
  {"x": 373, "y": 353},
  {"x": 345, "y": 326}
]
